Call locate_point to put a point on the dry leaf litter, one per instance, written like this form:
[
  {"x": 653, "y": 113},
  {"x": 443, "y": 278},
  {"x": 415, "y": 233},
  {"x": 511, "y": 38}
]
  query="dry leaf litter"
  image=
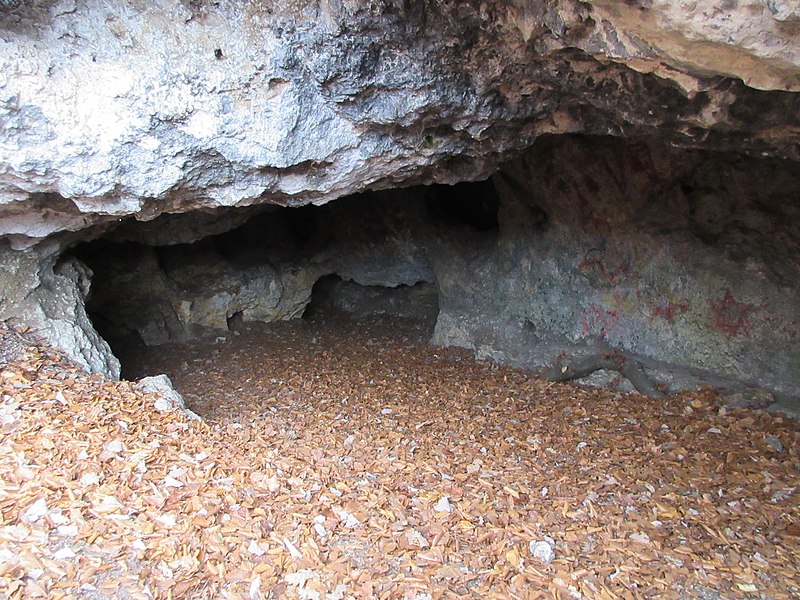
[{"x": 346, "y": 459}]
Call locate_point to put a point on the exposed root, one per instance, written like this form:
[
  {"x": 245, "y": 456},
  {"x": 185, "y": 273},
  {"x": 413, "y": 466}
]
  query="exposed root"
[{"x": 613, "y": 360}]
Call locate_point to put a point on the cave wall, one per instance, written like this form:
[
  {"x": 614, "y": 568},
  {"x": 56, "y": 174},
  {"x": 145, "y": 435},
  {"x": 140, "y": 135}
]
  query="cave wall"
[
  {"x": 687, "y": 261},
  {"x": 45, "y": 294},
  {"x": 264, "y": 270},
  {"x": 690, "y": 258}
]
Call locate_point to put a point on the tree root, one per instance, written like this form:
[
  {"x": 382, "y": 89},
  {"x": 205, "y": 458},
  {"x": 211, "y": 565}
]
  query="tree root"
[{"x": 614, "y": 361}]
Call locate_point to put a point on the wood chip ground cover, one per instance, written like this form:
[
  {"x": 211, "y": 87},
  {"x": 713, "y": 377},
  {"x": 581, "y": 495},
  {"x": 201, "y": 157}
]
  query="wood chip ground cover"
[{"x": 346, "y": 459}]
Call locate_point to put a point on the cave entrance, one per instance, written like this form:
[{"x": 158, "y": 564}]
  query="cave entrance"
[
  {"x": 331, "y": 293},
  {"x": 201, "y": 276}
]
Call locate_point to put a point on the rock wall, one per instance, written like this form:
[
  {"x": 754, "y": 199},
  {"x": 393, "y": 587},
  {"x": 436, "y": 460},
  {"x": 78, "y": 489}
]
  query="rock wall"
[
  {"x": 43, "y": 293},
  {"x": 117, "y": 109},
  {"x": 169, "y": 122},
  {"x": 264, "y": 270},
  {"x": 692, "y": 258}
]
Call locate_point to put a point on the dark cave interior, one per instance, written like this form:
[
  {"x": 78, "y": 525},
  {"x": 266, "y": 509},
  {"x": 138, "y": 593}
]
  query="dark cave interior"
[
  {"x": 683, "y": 260},
  {"x": 147, "y": 292}
]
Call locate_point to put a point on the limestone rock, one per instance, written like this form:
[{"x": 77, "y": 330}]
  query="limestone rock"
[
  {"x": 168, "y": 399},
  {"x": 111, "y": 111},
  {"x": 47, "y": 296}
]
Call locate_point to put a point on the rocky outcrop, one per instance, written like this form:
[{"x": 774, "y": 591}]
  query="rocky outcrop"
[
  {"x": 115, "y": 110},
  {"x": 47, "y": 295},
  {"x": 171, "y": 123}
]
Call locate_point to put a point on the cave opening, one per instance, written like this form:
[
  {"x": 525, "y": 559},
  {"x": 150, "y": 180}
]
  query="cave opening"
[
  {"x": 474, "y": 204},
  {"x": 365, "y": 256},
  {"x": 331, "y": 293},
  {"x": 682, "y": 262}
]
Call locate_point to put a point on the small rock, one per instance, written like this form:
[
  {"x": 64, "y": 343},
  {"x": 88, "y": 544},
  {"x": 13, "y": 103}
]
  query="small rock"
[
  {"x": 168, "y": 398},
  {"x": 348, "y": 519},
  {"x": 543, "y": 550},
  {"x": 774, "y": 443},
  {"x": 67, "y": 530},
  {"x": 138, "y": 545},
  {"x": 443, "y": 505},
  {"x": 255, "y": 548},
  {"x": 749, "y": 398},
  {"x": 88, "y": 479},
  {"x": 65, "y": 553}
]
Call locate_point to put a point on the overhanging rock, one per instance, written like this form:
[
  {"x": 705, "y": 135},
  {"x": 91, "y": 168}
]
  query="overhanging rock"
[
  {"x": 117, "y": 110},
  {"x": 172, "y": 121}
]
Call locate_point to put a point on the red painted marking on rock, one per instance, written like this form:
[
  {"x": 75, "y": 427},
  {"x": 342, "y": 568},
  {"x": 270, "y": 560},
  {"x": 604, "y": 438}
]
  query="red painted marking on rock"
[{"x": 731, "y": 317}]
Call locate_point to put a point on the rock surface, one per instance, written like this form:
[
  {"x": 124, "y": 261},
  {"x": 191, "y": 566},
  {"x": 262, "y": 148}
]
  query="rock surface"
[
  {"x": 689, "y": 257},
  {"x": 167, "y": 398},
  {"x": 47, "y": 295},
  {"x": 177, "y": 122},
  {"x": 118, "y": 110}
]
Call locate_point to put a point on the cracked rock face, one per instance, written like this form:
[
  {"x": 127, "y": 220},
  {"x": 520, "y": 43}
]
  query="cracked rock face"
[
  {"x": 121, "y": 109},
  {"x": 167, "y": 122}
]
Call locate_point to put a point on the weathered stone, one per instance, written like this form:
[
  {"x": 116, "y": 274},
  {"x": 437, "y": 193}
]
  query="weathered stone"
[
  {"x": 168, "y": 398},
  {"x": 111, "y": 110},
  {"x": 688, "y": 257},
  {"x": 46, "y": 295}
]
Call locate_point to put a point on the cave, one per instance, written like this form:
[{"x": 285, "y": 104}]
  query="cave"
[
  {"x": 681, "y": 262},
  {"x": 279, "y": 264},
  {"x": 467, "y": 298}
]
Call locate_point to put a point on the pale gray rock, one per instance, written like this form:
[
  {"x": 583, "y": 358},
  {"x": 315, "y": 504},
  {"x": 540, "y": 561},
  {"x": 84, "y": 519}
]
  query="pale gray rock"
[
  {"x": 774, "y": 443},
  {"x": 168, "y": 398},
  {"x": 784, "y": 10},
  {"x": 47, "y": 295},
  {"x": 112, "y": 110},
  {"x": 543, "y": 549}
]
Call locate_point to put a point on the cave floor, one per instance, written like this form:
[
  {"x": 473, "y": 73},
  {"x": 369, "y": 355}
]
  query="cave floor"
[{"x": 342, "y": 458}]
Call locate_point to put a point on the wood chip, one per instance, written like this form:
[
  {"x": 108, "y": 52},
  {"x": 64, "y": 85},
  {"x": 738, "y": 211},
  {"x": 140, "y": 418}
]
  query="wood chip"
[{"x": 367, "y": 464}]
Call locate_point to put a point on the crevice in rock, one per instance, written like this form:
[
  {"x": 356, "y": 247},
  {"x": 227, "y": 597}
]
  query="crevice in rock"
[
  {"x": 474, "y": 205},
  {"x": 332, "y": 293}
]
